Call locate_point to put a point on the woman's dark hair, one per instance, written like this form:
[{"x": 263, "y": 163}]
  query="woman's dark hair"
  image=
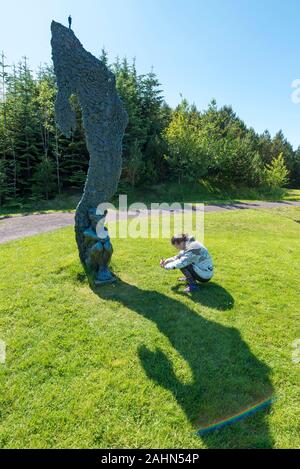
[{"x": 179, "y": 238}]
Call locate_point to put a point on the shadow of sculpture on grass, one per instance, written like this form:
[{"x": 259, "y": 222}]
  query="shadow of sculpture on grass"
[{"x": 226, "y": 375}]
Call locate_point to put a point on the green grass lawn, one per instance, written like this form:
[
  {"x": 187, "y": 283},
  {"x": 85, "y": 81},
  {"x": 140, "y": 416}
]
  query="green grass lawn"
[
  {"x": 208, "y": 193},
  {"x": 202, "y": 192},
  {"x": 140, "y": 364}
]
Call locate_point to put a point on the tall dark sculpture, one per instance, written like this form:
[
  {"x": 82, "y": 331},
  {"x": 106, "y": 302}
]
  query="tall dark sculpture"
[{"x": 104, "y": 119}]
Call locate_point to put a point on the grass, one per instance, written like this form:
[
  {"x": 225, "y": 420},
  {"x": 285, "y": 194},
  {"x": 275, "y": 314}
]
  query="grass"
[
  {"x": 171, "y": 192},
  {"x": 140, "y": 364},
  {"x": 208, "y": 193},
  {"x": 66, "y": 202}
]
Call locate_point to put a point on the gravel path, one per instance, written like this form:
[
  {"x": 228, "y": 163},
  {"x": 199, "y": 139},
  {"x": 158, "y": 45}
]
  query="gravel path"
[{"x": 29, "y": 225}]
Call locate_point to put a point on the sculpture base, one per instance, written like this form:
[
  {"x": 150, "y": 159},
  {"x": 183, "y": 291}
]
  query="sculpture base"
[{"x": 104, "y": 282}]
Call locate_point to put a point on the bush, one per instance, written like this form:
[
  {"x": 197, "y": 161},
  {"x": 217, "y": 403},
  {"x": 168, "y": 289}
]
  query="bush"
[
  {"x": 276, "y": 173},
  {"x": 187, "y": 156}
]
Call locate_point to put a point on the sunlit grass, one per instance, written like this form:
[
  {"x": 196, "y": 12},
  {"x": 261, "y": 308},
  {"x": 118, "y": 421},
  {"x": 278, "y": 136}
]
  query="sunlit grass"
[
  {"x": 169, "y": 192},
  {"x": 140, "y": 364}
]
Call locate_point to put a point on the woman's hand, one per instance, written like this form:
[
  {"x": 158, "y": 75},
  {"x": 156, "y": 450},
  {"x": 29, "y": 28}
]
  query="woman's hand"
[{"x": 164, "y": 262}]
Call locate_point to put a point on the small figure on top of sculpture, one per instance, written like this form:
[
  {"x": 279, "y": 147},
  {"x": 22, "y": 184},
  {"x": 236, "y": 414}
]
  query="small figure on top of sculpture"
[
  {"x": 70, "y": 21},
  {"x": 98, "y": 248}
]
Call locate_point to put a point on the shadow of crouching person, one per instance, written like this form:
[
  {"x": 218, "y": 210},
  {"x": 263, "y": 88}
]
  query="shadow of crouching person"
[{"x": 226, "y": 376}]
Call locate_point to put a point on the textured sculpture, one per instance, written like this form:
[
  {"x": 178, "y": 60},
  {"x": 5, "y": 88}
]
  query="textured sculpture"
[
  {"x": 98, "y": 248},
  {"x": 104, "y": 119}
]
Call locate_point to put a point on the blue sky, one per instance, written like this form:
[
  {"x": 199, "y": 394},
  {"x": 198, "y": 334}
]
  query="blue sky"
[{"x": 241, "y": 52}]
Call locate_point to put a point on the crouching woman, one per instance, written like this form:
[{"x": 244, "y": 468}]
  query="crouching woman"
[{"x": 193, "y": 260}]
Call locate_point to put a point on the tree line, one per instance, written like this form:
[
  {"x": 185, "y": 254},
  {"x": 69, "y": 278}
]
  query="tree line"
[{"x": 160, "y": 144}]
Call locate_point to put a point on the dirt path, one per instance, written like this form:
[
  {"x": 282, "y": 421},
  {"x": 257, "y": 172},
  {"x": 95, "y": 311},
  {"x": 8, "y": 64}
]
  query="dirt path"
[{"x": 29, "y": 225}]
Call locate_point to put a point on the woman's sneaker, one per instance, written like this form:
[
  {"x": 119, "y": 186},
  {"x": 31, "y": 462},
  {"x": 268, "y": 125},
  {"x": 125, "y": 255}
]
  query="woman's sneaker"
[
  {"x": 191, "y": 288},
  {"x": 182, "y": 279}
]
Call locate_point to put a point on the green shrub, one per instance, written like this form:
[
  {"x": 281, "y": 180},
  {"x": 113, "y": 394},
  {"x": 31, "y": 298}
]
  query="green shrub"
[{"x": 276, "y": 173}]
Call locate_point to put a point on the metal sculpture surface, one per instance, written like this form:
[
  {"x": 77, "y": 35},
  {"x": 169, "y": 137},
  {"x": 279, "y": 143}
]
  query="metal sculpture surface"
[{"x": 79, "y": 73}]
